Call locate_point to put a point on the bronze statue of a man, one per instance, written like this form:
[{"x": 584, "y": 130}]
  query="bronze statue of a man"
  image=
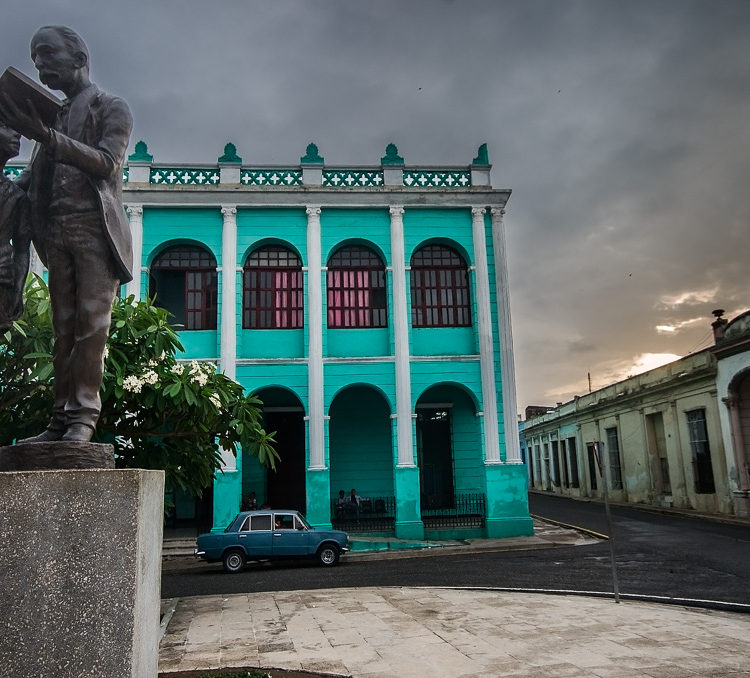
[{"x": 79, "y": 228}]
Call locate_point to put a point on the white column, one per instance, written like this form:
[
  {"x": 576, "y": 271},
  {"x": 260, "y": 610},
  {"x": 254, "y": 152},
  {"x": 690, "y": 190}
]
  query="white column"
[
  {"x": 228, "y": 344},
  {"x": 135, "y": 217},
  {"x": 228, "y": 351},
  {"x": 507, "y": 365},
  {"x": 484, "y": 327},
  {"x": 315, "y": 339},
  {"x": 401, "y": 340}
]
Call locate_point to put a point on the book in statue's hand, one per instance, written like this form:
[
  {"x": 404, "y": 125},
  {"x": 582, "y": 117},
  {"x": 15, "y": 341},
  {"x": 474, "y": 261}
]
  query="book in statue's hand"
[{"x": 20, "y": 87}]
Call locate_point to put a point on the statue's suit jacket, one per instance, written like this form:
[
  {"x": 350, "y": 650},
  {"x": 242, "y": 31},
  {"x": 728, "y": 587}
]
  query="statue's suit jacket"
[{"x": 97, "y": 146}]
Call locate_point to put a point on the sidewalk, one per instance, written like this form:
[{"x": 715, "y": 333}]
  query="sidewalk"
[
  {"x": 414, "y": 633},
  {"x": 441, "y": 632}
]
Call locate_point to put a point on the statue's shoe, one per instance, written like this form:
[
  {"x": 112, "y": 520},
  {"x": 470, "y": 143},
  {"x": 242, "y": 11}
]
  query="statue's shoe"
[
  {"x": 45, "y": 436},
  {"x": 79, "y": 433}
]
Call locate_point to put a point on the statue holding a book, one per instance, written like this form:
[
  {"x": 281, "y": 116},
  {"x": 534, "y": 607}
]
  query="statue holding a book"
[{"x": 73, "y": 185}]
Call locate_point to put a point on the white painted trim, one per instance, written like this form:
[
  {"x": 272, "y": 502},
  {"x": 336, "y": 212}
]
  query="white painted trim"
[
  {"x": 228, "y": 337},
  {"x": 135, "y": 218},
  {"x": 505, "y": 329},
  {"x": 315, "y": 340},
  {"x": 484, "y": 329}
]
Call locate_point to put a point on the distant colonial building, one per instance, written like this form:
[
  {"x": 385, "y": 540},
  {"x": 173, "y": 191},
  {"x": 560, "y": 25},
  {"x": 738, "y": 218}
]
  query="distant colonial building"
[
  {"x": 678, "y": 435},
  {"x": 368, "y": 308}
]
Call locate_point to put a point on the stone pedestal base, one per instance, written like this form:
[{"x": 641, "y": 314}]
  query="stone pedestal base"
[
  {"x": 59, "y": 454},
  {"x": 80, "y": 564}
]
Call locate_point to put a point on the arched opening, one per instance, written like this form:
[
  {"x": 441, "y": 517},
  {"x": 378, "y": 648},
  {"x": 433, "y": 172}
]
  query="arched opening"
[
  {"x": 285, "y": 487},
  {"x": 272, "y": 295},
  {"x": 361, "y": 458},
  {"x": 439, "y": 288},
  {"x": 449, "y": 453},
  {"x": 183, "y": 281},
  {"x": 356, "y": 288}
]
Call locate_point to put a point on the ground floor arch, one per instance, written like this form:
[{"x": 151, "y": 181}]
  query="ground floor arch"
[
  {"x": 360, "y": 444},
  {"x": 285, "y": 487},
  {"x": 449, "y": 447}
]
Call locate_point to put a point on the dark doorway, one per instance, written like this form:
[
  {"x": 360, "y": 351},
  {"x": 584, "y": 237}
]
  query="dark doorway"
[
  {"x": 435, "y": 457},
  {"x": 286, "y": 486}
]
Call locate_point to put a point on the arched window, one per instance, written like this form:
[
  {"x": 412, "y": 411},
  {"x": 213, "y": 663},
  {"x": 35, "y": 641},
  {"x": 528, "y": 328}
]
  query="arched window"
[
  {"x": 356, "y": 289},
  {"x": 183, "y": 280},
  {"x": 272, "y": 290},
  {"x": 439, "y": 288}
]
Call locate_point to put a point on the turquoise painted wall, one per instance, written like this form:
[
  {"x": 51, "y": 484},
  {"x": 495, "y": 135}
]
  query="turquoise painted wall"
[
  {"x": 361, "y": 448},
  {"x": 444, "y": 341},
  {"x": 271, "y": 343},
  {"x": 371, "y": 227},
  {"x": 430, "y": 373},
  {"x": 163, "y": 227},
  {"x": 358, "y": 342}
]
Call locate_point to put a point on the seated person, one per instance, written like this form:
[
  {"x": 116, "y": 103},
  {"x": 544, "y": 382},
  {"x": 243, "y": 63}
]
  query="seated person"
[
  {"x": 15, "y": 235},
  {"x": 341, "y": 504},
  {"x": 352, "y": 504}
]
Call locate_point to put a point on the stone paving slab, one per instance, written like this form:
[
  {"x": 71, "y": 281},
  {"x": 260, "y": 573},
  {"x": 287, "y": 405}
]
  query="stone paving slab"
[{"x": 417, "y": 632}]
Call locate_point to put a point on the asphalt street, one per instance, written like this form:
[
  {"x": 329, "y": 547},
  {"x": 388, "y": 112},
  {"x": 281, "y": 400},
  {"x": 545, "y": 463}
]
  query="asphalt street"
[{"x": 657, "y": 554}]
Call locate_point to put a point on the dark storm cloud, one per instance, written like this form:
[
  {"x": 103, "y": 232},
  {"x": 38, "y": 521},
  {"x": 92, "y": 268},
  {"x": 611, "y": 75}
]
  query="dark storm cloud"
[{"x": 620, "y": 126}]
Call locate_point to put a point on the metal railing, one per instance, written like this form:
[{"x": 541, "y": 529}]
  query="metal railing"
[
  {"x": 373, "y": 514},
  {"x": 378, "y": 514},
  {"x": 456, "y": 510}
]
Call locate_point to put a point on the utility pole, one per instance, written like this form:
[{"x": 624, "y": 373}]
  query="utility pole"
[{"x": 603, "y": 470}]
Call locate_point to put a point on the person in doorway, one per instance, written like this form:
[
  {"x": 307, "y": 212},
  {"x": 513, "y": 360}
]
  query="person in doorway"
[{"x": 250, "y": 503}]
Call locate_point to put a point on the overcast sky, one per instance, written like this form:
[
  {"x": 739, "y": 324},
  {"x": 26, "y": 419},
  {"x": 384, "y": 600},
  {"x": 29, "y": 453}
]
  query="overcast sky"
[{"x": 622, "y": 127}]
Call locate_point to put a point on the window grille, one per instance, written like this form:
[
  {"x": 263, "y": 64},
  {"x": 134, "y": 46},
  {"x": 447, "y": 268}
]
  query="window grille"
[
  {"x": 356, "y": 289},
  {"x": 702, "y": 466},
  {"x": 184, "y": 282},
  {"x": 439, "y": 288},
  {"x": 272, "y": 295}
]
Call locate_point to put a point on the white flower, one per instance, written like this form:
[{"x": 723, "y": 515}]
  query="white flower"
[
  {"x": 214, "y": 398},
  {"x": 106, "y": 351},
  {"x": 150, "y": 377},
  {"x": 132, "y": 384},
  {"x": 177, "y": 368},
  {"x": 200, "y": 379}
]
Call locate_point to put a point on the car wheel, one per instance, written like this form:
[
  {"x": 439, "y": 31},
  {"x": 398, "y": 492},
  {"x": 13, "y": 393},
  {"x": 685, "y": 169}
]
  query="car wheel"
[
  {"x": 328, "y": 555},
  {"x": 234, "y": 561}
]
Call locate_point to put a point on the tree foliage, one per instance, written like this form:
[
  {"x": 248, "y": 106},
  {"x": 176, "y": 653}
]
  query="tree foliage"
[{"x": 159, "y": 412}]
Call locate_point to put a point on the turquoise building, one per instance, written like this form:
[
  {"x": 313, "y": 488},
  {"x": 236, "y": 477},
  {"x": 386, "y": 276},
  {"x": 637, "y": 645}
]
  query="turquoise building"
[{"x": 368, "y": 308}]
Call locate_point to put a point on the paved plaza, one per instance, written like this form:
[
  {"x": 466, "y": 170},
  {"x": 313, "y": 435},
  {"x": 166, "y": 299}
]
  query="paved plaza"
[{"x": 419, "y": 632}]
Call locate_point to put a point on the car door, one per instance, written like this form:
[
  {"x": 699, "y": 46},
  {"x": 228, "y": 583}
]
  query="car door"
[
  {"x": 255, "y": 536},
  {"x": 290, "y": 536}
]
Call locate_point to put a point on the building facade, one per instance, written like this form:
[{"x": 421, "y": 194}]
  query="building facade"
[
  {"x": 368, "y": 309},
  {"x": 672, "y": 436}
]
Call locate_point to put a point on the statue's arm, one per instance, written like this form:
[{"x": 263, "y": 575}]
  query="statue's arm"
[{"x": 107, "y": 157}]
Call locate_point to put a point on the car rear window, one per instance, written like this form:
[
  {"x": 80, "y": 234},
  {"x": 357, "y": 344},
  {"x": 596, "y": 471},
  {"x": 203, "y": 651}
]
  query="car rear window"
[{"x": 262, "y": 522}]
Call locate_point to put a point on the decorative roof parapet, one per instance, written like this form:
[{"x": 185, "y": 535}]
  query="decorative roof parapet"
[
  {"x": 12, "y": 171},
  {"x": 230, "y": 155},
  {"x": 391, "y": 156},
  {"x": 311, "y": 157}
]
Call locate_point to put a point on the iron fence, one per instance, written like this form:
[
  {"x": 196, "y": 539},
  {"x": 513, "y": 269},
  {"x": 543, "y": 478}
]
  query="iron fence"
[
  {"x": 378, "y": 514},
  {"x": 457, "y": 510},
  {"x": 372, "y": 514}
]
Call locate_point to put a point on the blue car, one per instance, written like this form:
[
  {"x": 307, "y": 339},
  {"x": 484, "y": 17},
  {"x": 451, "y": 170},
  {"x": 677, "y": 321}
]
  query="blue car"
[{"x": 270, "y": 534}]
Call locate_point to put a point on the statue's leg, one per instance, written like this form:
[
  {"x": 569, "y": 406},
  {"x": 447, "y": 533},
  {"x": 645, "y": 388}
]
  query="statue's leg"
[{"x": 95, "y": 287}]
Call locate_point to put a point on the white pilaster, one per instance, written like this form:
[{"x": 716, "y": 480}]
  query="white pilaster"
[
  {"x": 484, "y": 327},
  {"x": 228, "y": 351},
  {"x": 401, "y": 341},
  {"x": 135, "y": 217},
  {"x": 315, "y": 339},
  {"x": 507, "y": 364}
]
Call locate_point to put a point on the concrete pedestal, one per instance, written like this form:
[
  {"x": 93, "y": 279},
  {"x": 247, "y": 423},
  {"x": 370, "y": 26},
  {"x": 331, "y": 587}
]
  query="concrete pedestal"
[{"x": 80, "y": 564}]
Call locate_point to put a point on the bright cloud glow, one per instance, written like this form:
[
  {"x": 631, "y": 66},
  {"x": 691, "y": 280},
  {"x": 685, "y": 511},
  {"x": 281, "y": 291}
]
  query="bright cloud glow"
[
  {"x": 676, "y": 326},
  {"x": 687, "y": 297}
]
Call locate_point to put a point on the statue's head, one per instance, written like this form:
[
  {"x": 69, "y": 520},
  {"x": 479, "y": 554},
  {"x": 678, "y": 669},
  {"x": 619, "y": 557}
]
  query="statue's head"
[
  {"x": 10, "y": 143},
  {"x": 60, "y": 56}
]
